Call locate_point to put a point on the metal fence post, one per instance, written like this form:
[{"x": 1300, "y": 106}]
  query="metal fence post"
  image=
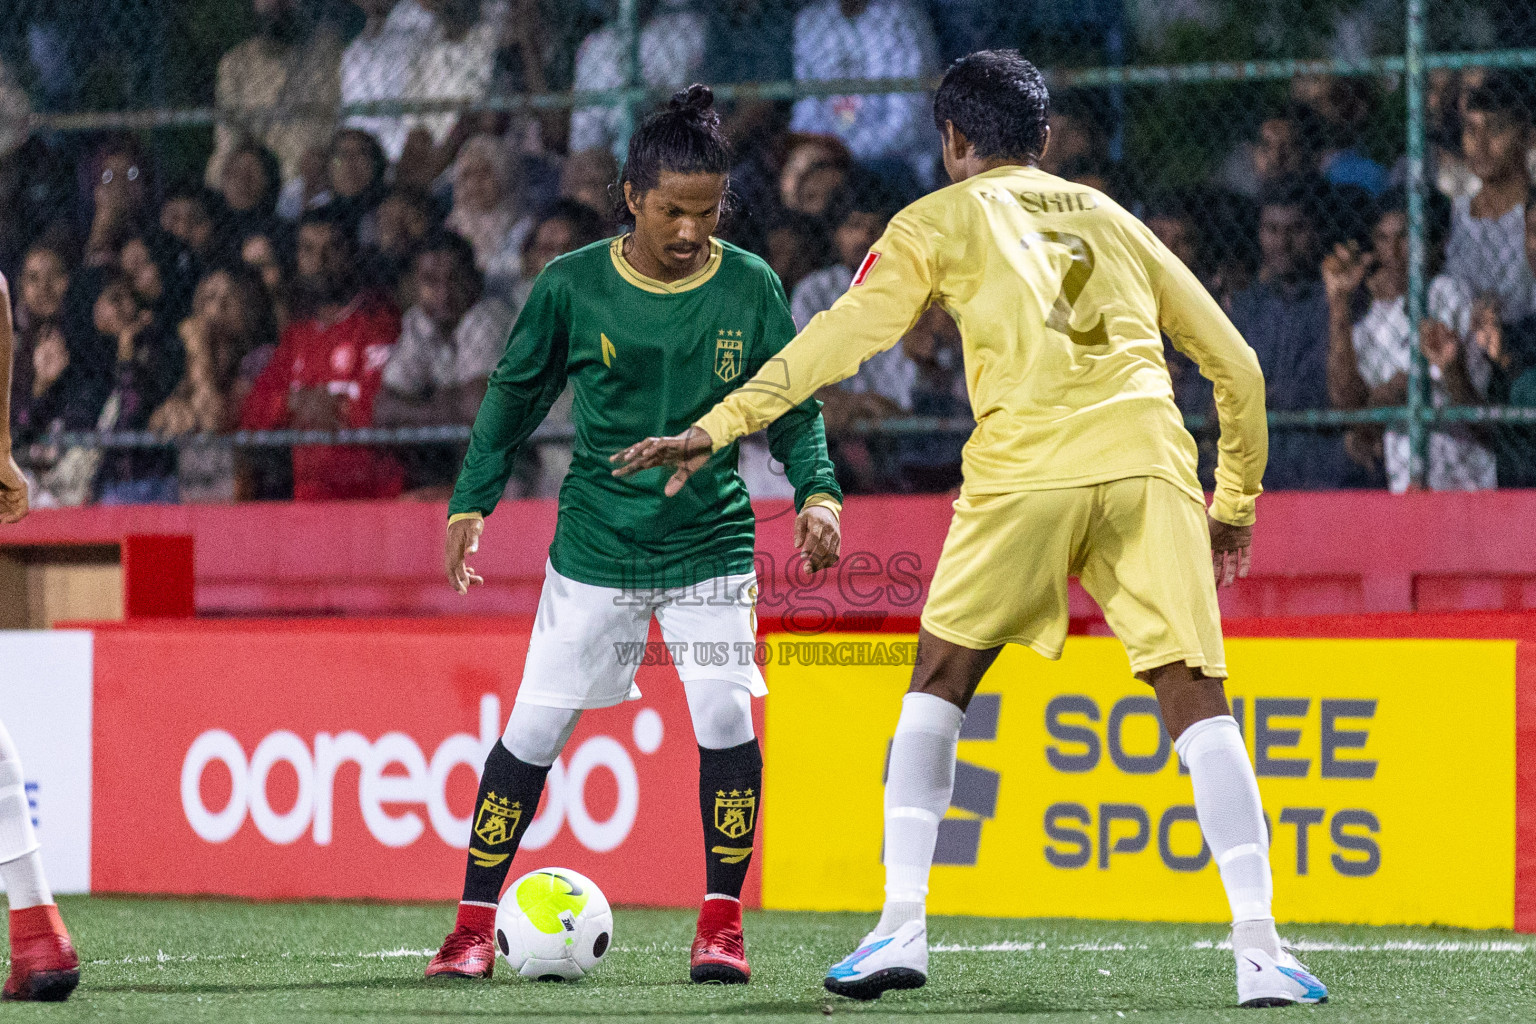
[
  {"x": 1418, "y": 435},
  {"x": 629, "y": 31}
]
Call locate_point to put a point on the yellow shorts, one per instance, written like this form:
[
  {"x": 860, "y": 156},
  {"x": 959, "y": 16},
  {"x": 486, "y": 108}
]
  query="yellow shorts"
[{"x": 1140, "y": 546}]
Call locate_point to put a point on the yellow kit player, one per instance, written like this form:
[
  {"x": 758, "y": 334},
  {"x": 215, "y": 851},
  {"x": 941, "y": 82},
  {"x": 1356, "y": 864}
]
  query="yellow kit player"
[{"x": 1079, "y": 466}]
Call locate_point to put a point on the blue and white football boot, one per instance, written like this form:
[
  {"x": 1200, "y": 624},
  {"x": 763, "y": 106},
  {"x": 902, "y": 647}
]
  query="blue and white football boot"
[
  {"x": 1265, "y": 981},
  {"x": 882, "y": 963}
]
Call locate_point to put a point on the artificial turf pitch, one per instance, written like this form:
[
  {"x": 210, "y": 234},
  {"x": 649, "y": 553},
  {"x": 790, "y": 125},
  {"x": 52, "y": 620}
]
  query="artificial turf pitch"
[{"x": 164, "y": 961}]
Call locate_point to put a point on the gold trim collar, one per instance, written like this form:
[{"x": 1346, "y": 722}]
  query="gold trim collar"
[{"x": 655, "y": 287}]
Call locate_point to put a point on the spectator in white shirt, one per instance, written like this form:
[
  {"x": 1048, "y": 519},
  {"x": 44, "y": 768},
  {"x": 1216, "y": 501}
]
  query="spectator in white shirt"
[
  {"x": 487, "y": 213},
  {"x": 883, "y": 384},
  {"x": 1488, "y": 229},
  {"x": 421, "y": 50},
  {"x": 450, "y": 340},
  {"x": 1368, "y": 355},
  {"x": 869, "y": 39},
  {"x": 882, "y": 387},
  {"x": 671, "y": 52},
  {"x": 377, "y": 66},
  {"x": 278, "y": 88}
]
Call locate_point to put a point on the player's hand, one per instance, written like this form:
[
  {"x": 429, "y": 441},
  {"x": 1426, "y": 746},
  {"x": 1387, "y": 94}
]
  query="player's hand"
[
  {"x": 13, "y": 489},
  {"x": 1230, "y": 551},
  {"x": 818, "y": 537},
  {"x": 687, "y": 451},
  {"x": 463, "y": 540}
]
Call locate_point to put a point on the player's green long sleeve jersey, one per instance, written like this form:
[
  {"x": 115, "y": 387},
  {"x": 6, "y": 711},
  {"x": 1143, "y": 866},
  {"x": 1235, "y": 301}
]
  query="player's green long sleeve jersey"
[{"x": 645, "y": 358}]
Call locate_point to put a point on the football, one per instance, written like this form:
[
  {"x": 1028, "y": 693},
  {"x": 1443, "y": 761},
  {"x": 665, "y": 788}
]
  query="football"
[{"x": 554, "y": 924}]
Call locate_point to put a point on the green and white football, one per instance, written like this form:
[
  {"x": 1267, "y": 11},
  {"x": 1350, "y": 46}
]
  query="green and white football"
[{"x": 553, "y": 924}]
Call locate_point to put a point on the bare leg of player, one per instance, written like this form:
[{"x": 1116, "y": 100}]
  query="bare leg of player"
[
  {"x": 919, "y": 784},
  {"x": 1206, "y": 736},
  {"x": 43, "y": 962}
]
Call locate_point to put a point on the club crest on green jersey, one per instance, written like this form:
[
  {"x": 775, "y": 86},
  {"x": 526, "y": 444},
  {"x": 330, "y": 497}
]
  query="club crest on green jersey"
[{"x": 728, "y": 355}]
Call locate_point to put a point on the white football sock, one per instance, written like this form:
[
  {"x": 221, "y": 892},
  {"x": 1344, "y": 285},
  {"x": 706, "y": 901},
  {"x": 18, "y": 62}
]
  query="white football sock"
[
  {"x": 1232, "y": 819},
  {"x": 919, "y": 783},
  {"x": 721, "y": 712},
  {"x": 25, "y": 884},
  {"x": 20, "y": 867},
  {"x": 536, "y": 734}
]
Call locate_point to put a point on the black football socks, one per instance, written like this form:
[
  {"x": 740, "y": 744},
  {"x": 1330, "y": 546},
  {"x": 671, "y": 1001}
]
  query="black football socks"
[
  {"x": 504, "y": 806},
  {"x": 730, "y": 788}
]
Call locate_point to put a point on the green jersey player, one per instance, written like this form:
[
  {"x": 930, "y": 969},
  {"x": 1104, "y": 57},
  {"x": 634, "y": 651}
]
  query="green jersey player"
[{"x": 652, "y": 328}]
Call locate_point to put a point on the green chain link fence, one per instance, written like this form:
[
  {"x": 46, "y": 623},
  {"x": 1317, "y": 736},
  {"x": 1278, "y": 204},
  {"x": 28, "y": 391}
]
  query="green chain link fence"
[{"x": 1257, "y": 137}]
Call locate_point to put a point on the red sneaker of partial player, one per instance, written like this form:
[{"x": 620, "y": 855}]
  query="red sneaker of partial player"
[
  {"x": 719, "y": 950},
  {"x": 44, "y": 966},
  {"x": 466, "y": 953}
]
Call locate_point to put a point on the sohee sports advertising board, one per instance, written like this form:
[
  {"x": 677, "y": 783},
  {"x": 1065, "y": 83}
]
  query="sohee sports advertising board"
[{"x": 1069, "y": 800}]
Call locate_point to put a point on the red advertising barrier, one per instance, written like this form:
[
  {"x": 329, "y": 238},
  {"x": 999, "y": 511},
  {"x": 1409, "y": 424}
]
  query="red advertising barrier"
[
  {"x": 289, "y": 760},
  {"x": 1339, "y": 552},
  {"x": 158, "y": 573}
]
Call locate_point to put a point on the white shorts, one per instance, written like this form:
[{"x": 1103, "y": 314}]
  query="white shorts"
[{"x": 589, "y": 641}]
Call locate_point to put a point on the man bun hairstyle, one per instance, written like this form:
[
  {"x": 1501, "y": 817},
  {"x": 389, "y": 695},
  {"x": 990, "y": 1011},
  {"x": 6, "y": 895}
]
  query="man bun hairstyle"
[
  {"x": 998, "y": 101},
  {"x": 685, "y": 138},
  {"x": 697, "y": 100}
]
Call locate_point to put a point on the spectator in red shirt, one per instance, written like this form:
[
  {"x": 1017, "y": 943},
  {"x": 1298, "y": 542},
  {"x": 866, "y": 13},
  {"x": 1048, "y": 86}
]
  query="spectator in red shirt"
[{"x": 328, "y": 368}]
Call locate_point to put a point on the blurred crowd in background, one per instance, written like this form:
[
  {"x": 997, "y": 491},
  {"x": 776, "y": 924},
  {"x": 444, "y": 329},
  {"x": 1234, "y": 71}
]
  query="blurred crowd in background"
[{"x": 293, "y": 269}]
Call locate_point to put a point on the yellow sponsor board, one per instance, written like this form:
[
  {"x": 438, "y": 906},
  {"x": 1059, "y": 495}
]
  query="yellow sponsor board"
[{"x": 1387, "y": 770}]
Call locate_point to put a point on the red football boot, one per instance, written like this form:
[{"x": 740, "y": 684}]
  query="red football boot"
[
  {"x": 44, "y": 966},
  {"x": 468, "y": 951},
  {"x": 719, "y": 950}
]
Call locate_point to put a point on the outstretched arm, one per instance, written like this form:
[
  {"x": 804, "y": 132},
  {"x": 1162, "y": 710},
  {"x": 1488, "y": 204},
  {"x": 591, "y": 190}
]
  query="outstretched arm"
[
  {"x": 798, "y": 439},
  {"x": 521, "y": 390},
  {"x": 13, "y": 486},
  {"x": 891, "y": 290},
  {"x": 1198, "y": 328},
  {"x": 525, "y": 384}
]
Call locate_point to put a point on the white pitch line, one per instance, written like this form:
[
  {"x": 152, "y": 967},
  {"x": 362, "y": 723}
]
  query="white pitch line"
[
  {"x": 1300, "y": 946},
  {"x": 1009, "y": 946},
  {"x": 1411, "y": 946},
  {"x": 1398, "y": 946},
  {"x": 1033, "y": 947},
  {"x": 162, "y": 957}
]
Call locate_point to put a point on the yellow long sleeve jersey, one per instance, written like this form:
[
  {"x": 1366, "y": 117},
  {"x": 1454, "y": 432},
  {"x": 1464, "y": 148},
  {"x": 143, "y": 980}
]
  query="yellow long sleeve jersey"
[{"x": 1060, "y": 296}]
